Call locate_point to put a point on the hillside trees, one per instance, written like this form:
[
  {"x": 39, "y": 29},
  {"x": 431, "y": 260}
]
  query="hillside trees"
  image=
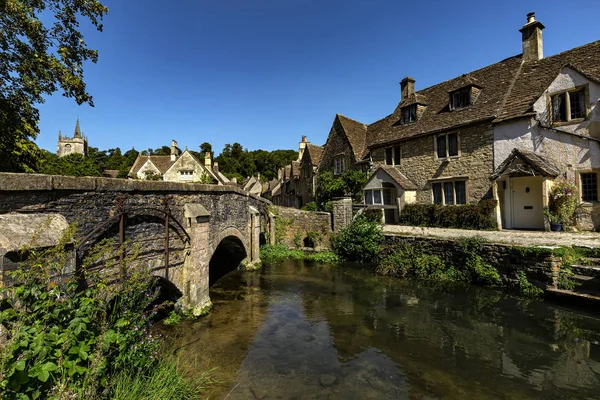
[{"x": 39, "y": 57}]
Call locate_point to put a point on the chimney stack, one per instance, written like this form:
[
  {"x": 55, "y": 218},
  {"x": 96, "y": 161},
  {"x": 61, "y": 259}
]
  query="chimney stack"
[
  {"x": 207, "y": 160},
  {"x": 533, "y": 46},
  {"x": 302, "y": 147},
  {"x": 174, "y": 150},
  {"x": 216, "y": 166},
  {"x": 407, "y": 87}
]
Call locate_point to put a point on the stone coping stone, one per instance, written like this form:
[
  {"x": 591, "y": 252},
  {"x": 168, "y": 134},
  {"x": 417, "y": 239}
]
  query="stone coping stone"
[
  {"x": 15, "y": 181},
  {"x": 73, "y": 183}
]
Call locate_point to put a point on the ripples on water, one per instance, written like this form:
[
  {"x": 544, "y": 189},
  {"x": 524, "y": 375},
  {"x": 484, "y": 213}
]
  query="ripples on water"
[{"x": 309, "y": 331}]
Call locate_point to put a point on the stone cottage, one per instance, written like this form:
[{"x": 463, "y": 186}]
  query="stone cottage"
[
  {"x": 78, "y": 144},
  {"x": 309, "y": 169},
  {"x": 345, "y": 146}
]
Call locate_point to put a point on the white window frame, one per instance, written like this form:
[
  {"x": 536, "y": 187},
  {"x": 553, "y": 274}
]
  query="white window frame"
[
  {"x": 458, "y": 145},
  {"x": 453, "y": 191}
]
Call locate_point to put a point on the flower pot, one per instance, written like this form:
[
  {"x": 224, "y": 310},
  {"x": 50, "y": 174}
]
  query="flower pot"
[{"x": 556, "y": 227}]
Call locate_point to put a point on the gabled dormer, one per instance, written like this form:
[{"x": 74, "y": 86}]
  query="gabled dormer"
[
  {"x": 463, "y": 97},
  {"x": 412, "y": 105}
]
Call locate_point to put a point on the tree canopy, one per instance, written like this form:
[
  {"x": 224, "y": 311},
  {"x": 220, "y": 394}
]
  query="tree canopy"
[
  {"x": 38, "y": 58},
  {"x": 234, "y": 161}
]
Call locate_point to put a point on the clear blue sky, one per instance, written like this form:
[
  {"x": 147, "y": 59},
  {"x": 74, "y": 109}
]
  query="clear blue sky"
[{"x": 265, "y": 72}]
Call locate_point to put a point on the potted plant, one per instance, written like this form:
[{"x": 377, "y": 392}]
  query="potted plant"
[{"x": 562, "y": 205}]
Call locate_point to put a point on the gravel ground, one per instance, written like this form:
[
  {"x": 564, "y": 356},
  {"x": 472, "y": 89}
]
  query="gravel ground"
[{"x": 521, "y": 238}]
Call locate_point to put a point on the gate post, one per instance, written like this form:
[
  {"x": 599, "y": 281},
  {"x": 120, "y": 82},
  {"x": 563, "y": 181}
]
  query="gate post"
[
  {"x": 253, "y": 260},
  {"x": 342, "y": 213},
  {"x": 195, "y": 269}
]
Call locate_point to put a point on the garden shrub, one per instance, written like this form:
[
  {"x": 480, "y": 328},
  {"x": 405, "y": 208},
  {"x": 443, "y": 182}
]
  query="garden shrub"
[
  {"x": 312, "y": 206},
  {"x": 280, "y": 252},
  {"x": 360, "y": 241},
  {"x": 463, "y": 216}
]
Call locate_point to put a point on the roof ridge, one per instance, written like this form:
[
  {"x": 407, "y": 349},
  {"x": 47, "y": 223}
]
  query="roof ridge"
[
  {"x": 566, "y": 51},
  {"x": 348, "y": 118}
]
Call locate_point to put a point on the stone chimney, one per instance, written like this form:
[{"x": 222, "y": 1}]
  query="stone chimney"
[
  {"x": 207, "y": 160},
  {"x": 174, "y": 150},
  {"x": 301, "y": 147},
  {"x": 533, "y": 47},
  {"x": 407, "y": 87},
  {"x": 215, "y": 166},
  {"x": 280, "y": 174}
]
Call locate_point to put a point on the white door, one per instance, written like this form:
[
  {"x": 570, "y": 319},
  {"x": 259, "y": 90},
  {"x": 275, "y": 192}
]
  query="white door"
[{"x": 527, "y": 203}]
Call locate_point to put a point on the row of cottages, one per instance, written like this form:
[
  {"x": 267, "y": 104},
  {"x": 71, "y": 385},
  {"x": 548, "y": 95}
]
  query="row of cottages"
[
  {"x": 178, "y": 167},
  {"x": 506, "y": 131}
]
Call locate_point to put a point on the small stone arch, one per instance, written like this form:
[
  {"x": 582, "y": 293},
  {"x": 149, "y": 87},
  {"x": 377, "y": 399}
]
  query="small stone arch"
[
  {"x": 227, "y": 255},
  {"x": 230, "y": 231}
]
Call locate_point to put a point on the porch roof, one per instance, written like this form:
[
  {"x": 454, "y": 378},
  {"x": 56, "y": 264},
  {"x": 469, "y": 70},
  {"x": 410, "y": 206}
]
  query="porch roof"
[
  {"x": 395, "y": 176},
  {"x": 538, "y": 164}
]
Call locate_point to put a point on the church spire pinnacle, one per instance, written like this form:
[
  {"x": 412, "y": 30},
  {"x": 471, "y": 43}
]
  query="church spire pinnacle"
[{"x": 77, "y": 130}]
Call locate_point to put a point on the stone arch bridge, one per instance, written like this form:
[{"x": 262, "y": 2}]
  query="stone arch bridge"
[{"x": 189, "y": 234}]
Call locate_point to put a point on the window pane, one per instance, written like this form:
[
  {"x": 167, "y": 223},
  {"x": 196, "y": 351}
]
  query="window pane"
[
  {"x": 577, "y": 104},
  {"x": 376, "y": 196},
  {"x": 413, "y": 113},
  {"x": 448, "y": 193},
  {"x": 441, "y": 146},
  {"x": 387, "y": 197},
  {"x": 559, "y": 110},
  {"x": 397, "y": 155},
  {"x": 437, "y": 193},
  {"x": 455, "y": 100},
  {"x": 368, "y": 197},
  {"x": 388, "y": 156},
  {"x": 465, "y": 97},
  {"x": 461, "y": 192},
  {"x": 589, "y": 187},
  {"x": 405, "y": 116},
  {"x": 453, "y": 144}
]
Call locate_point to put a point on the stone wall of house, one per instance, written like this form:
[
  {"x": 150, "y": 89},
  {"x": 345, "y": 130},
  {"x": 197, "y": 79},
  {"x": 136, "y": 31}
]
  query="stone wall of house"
[
  {"x": 304, "y": 187},
  {"x": 337, "y": 145},
  {"x": 185, "y": 163},
  {"x": 68, "y": 146},
  {"x": 539, "y": 264},
  {"x": 293, "y": 227},
  {"x": 420, "y": 165}
]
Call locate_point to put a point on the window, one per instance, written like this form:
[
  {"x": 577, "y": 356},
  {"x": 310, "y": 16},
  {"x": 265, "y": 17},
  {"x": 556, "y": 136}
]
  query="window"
[
  {"x": 384, "y": 196},
  {"x": 338, "y": 165},
  {"x": 186, "y": 175},
  {"x": 393, "y": 155},
  {"x": 589, "y": 186},
  {"x": 569, "y": 105},
  {"x": 447, "y": 145},
  {"x": 449, "y": 193},
  {"x": 409, "y": 114},
  {"x": 460, "y": 98}
]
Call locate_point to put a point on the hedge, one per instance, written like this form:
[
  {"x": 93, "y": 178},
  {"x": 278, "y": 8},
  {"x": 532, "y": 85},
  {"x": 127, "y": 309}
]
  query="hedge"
[{"x": 464, "y": 216}]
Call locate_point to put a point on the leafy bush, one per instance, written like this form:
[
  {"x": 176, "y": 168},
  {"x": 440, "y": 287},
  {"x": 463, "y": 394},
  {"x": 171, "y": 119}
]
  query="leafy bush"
[
  {"x": 360, "y": 241},
  {"x": 563, "y": 202},
  {"x": 312, "y": 206},
  {"x": 478, "y": 271},
  {"x": 280, "y": 252},
  {"x": 462, "y": 216},
  {"x": 350, "y": 183}
]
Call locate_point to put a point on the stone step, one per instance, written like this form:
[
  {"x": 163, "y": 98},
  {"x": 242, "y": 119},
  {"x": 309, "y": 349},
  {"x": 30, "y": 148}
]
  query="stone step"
[
  {"x": 586, "y": 270},
  {"x": 571, "y": 297},
  {"x": 586, "y": 284}
]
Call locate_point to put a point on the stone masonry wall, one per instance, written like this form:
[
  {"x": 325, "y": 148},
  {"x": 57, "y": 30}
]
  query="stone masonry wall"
[
  {"x": 540, "y": 266},
  {"x": 293, "y": 226},
  {"x": 419, "y": 163},
  {"x": 337, "y": 144}
]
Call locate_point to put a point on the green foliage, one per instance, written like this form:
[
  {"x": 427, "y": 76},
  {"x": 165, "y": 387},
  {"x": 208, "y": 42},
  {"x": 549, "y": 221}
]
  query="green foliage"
[
  {"x": 563, "y": 202},
  {"x": 281, "y": 228},
  {"x": 569, "y": 257},
  {"x": 350, "y": 183},
  {"x": 173, "y": 319},
  {"x": 479, "y": 271},
  {"x": 360, "y": 241},
  {"x": 38, "y": 57},
  {"x": 236, "y": 162},
  {"x": 298, "y": 240},
  {"x": 71, "y": 165},
  {"x": 278, "y": 252},
  {"x": 165, "y": 381},
  {"x": 463, "y": 216},
  {"x": 312, "y": 206},
  {"x": 67, "y": 341},
  {"x": 526, "y": 288}
]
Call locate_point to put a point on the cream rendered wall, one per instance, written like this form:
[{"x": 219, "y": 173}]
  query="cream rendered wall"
[{"x": 185, "y": 162}]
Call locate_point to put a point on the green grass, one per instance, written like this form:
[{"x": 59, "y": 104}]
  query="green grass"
[
  {"x": 165, "y": 381},
  {"x": 280, "y": 252}
]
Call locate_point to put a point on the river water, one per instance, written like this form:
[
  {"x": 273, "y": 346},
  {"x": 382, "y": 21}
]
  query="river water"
[{"x": 296, "y": 330}]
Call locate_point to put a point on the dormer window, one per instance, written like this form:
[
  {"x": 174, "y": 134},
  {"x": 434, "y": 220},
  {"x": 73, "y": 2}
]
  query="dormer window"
[
  {"x": 463, "y": 98},
  {"x": 409, "y": 114},
  {"x": 569, "y": 105}
]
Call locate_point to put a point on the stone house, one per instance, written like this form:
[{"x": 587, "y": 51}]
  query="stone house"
[
  {"x": 309, "y": 169},
  {"x": 78, "y": 144},
  {"x": 505, "y": 131},
  {"x": 177, "y": 167},
  {"x": 345, "y": 146}
]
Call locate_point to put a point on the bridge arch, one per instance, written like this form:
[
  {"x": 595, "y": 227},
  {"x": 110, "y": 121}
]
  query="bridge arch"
[{"x": 231, "y": 248}]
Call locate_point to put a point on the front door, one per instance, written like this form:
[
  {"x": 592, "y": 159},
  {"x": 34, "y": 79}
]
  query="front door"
[{"x": 527, "y": 203}]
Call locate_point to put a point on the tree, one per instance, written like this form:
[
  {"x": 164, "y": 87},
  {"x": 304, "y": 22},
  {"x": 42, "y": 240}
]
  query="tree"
[
  {"x": 72, "y": 165},
  {"x": 37, "y": 58},
  {"x": 206, "y": 148},
  {"x": 350, "y": 183}
]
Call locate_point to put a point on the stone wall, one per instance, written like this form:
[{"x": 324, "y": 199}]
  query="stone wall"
[
  {"x": 420, "y": 165},
  {"x": 337, "y": 145},
  {"x": 540, "y": 265},
  {"x": 293, "y": 227}
]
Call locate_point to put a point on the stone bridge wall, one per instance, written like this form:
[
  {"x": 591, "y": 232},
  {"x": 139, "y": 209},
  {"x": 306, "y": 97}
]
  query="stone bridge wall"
[
  {"x": 293, "y": 226},
  {"x": 90, "y": 201}
]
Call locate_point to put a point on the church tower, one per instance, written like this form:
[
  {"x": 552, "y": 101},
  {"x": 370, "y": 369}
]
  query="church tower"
[{"x": 78, "y": 144}]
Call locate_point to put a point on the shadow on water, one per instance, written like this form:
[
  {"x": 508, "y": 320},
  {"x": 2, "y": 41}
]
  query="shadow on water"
[{"x": 296, "y": 330}]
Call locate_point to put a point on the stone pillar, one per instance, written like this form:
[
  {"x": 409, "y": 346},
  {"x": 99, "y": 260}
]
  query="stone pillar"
[
  {"x": 253, "y": 261},
  {"x": 272, "y": 229},
  {"x": 342, "y": 213},
  {"x": 195, "y": 269},
  {"x": 497, "y": 211}
]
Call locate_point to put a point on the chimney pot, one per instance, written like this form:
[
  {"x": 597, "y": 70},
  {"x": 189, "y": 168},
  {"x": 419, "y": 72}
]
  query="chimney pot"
[
  {"x": 530, "y": 17},
  {"x": 407, "y": 87}
]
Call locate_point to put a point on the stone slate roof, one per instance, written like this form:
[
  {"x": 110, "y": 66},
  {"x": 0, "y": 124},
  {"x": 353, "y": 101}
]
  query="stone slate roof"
[
  {"x": 397, "y": 176},
  {"x": 538, "y": 163},
  {"x": 316, "y": 153},
  {"x": 296, "y": 169},
  {"x": 356, "y": 132},
  {"x": 163, "y": 163},
  {"x": 508, "y": 90}
]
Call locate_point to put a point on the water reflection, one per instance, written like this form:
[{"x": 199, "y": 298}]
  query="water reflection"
[{"x": 295, "y": 330}]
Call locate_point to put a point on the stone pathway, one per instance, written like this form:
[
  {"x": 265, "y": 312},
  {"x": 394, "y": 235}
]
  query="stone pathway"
[{"x": 521, "y": 238}]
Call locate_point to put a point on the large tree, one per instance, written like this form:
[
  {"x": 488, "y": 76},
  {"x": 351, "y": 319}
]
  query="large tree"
[{"x": 39, "y": 56}]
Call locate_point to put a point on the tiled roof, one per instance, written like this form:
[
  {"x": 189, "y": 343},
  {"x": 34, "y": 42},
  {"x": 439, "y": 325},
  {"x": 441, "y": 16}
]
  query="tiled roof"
[
  {"x": 534, "y": 160},
  {"x": 296, "y": 169},
  {"x": 396, "y": 175},
  {"x": 535, "y": 77},
  {"x": 356, "y": 132},
  {"x": 316, "y": 153},
  {"x": 163, "y": 163},
  {"x": 494, "y": 81}
]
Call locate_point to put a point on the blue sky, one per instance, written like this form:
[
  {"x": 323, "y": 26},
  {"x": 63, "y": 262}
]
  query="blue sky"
[{"x": 265, "y": 72}]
